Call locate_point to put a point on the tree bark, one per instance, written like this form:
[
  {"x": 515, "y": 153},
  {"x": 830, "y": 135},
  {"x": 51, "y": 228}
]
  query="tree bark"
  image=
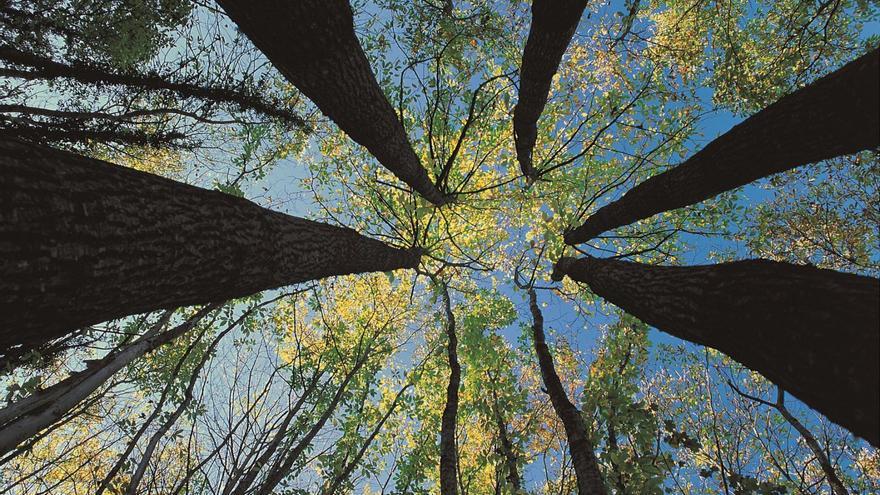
[
  {"x": 448, "y": 450},
  {"x": 553, "y": 25},
  {"x": 506, "y": 445},
  {"x": 836, "y": 115},
  {"x": 47, "y": 69},
  {"x": 814, "y": 332},
  {"x": 313, "y": 44},
  {"x": 583, "y": 458},
  {"x": 83, "y": 241}
]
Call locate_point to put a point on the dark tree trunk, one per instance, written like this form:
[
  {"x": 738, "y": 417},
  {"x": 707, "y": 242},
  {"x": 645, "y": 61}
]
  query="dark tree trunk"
[
  {"x": 313, "y": 43},
  {"x": 506, "y": 446},
  {"x": 448, "y": 450},
  {"x": 84, "y": 241},
  {"x": 47, "y": 69},
  {"x": 837, "y": 115},
  {"x": 586, "y": 467},
  {"x": 553, "y": 25},
  {"x": 814, "y": 332}
]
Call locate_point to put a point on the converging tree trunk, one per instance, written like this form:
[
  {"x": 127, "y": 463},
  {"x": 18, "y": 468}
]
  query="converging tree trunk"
[
  {"x": 837, "y": 115},
  {"x": 313, "y": 43},
  {"x": 553, "y": 25},
  {"x": 586, "y": 467},
  {"x": 84, "y": 241},
  {"x": 814, "y": 332},
  {"x": 448, "y": 450}
]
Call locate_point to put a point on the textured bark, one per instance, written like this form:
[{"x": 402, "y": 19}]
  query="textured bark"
[
  {"x": 583, "y": 458},
  {"x": 553, "y": 25},
  {"x": 814, "y": 332},
  {"x": 837, "y": 115},
  {"x": 313, "y": 44},
  {"x": 448, "y": 450},
  {"x": 83, "y": 241},
  {"x": 48, "y": 69}
]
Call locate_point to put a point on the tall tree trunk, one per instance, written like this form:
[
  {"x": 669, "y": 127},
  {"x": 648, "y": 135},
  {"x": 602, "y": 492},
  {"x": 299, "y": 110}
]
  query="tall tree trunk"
[
  {"x": 39, "y": 67},
  {"x": 313, "y": 43},
  {"x": 837, "y": 115},
  {"x": 583, "y": 458},
  {"x": 448, "y": 450},
  {"x": 553, "y": 25},
  {"x": 814, "y": 332},
  {"x": 83, "y": 241},
  {"x": 505, "y": 445}
]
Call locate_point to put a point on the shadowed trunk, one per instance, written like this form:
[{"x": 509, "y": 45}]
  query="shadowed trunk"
[
  {"x": 583, "y": 458},
  {"x": 44, "y": 68},
  {"x": 553, "y": 25},
  {"x": 448, "y": 451},
  {"x": 837, "y": 115},
  {"x": 313, "y": 43},
  {"x": 814, "y": 332},
  {"x": 506, "y": 447},
  {"x": 84, "y": 241}
]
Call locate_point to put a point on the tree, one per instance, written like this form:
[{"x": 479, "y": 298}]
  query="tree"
[
  {"x": 836, "y": 115},
  {"x": 776, "y": 318},
  {"x": 314, "y": 45},
  {"x": 553, "y": 25},
  {"x": 586, "y": 467},
  {"x": 86, "y": 241},
  {"x": 448, "y": 448}
]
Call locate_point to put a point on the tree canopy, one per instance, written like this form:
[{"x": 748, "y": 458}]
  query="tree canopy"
[{"x": 436, "y": 246}]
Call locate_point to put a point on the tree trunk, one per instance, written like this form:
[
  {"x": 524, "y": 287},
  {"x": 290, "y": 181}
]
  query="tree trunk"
[
  {"x": 48, "y": 69},
  {"x": 313, "y": 44},
  {"x": 814, "y": 332},
  {"x": 586, "y": 467},
  {"x": 448, "y": 451},
  {"x": 506, "y": 445},
  {"x": 83, "y": 241},
  {"x": 837, "y": 115},
  {"x": 553, "y": 25}
]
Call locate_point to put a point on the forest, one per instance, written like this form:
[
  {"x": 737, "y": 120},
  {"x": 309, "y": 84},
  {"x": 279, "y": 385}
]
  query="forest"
[{"x": 455, "y": 247}]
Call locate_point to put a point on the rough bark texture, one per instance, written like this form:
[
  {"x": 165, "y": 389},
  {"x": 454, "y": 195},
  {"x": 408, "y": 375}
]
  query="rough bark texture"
[
  {"x": 553, "y": 25},
  {"x": 837, "y": 115},
  {"x": 84, "y": 241},
  {"x": 448, "y": 451},
  {"x": 583, "y": 458},
  {"x": 313, "y": 43},
  {"x": 814, "y": 332},
  {"x": 48, "y": 69}
]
